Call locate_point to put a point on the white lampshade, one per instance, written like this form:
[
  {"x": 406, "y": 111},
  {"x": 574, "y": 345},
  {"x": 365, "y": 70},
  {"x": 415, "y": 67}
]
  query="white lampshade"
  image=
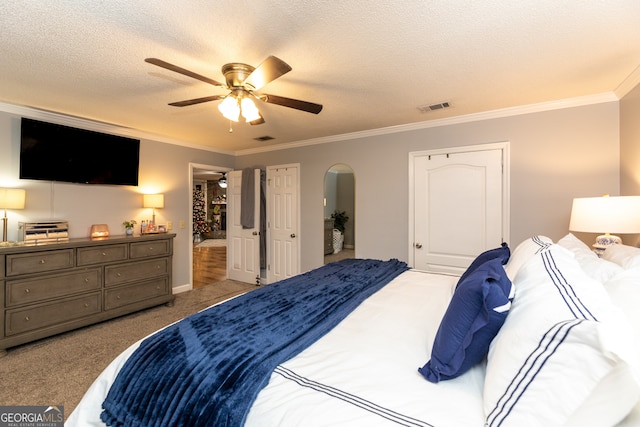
[
  {"x": 606, "y": 215},
  {"x": 153, "y": 201},
  {"x": 229, "y": 108},
  {"x": 12, "y": 198},
  {"x": 249, "y": 110},
  {"x": 222, "y": 182}
]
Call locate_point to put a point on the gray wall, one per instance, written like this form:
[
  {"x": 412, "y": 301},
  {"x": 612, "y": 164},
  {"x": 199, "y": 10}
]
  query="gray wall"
[
  {"x": 164, "y": 168},
  {"x": 630, "y": 143},
  {"x": 555, "y": 156}
]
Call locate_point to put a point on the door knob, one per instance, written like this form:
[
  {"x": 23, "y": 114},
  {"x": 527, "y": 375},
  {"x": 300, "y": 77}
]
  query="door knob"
[
  {"x": 255, "y": 233},
  {"x": 418, "y": 245},
  {"x": 293, "y": 235}
]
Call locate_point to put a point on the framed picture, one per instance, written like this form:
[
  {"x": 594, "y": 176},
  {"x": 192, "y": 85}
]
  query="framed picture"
[{"x": 162, "y": 228}]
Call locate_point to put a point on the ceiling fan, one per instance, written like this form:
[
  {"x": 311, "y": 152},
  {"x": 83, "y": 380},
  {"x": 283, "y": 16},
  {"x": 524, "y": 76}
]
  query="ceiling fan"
[{"x": 243, "y": 81}]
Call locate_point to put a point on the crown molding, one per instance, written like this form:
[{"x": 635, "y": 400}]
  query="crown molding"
[
  {"x": 486, "y": 115},
  {"x": 98, "y": 126},
  {"x": 628, "y": 84},
  {"x": 89, "y": 124}
]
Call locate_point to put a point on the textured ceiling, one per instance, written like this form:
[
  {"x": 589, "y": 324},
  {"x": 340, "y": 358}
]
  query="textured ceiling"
[{"x": 371, "y": 64}]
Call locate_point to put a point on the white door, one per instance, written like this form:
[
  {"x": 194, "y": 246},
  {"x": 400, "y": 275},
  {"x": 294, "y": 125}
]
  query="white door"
[
  {"x": 283, "y": 240},
  {"x": 243, "y": 244},
  {"x": 460, "y": 207}
]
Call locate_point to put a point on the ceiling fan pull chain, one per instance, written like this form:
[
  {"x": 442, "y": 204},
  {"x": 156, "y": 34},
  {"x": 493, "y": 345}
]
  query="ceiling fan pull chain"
[{"x": 230, "y": 126}]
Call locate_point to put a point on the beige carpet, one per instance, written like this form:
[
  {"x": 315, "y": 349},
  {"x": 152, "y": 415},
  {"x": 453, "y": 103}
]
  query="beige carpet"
[{"x": 58, "y": 370}]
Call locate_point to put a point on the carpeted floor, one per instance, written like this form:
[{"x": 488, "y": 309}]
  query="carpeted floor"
[{"x": 58, "y": 370}]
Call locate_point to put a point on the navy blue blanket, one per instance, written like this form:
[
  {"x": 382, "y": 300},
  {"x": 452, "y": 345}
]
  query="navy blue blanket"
[{"x": 208, "y": 368}]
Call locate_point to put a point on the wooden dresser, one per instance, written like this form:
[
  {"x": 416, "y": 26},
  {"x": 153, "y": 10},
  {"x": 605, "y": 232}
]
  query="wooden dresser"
[{"x": 56, "y": 287}]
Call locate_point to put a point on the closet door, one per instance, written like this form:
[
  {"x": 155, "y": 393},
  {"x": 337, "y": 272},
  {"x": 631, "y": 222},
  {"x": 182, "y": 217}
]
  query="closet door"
[
  {"x": 459, "y": 207},
  {"x": 243, "y": 244},
  {"x": 283, "y": 219}
]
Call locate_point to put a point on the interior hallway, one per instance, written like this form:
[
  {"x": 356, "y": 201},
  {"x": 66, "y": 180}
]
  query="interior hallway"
[{"x": 209, "y": 265}]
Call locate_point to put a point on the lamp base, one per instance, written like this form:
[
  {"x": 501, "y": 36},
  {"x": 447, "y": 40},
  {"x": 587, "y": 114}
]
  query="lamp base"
[{"x": 604, "y": 241}]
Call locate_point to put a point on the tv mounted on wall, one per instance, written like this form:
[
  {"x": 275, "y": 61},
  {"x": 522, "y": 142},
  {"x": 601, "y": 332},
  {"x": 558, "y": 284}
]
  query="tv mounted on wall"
[{"x": 53, "y": 152}]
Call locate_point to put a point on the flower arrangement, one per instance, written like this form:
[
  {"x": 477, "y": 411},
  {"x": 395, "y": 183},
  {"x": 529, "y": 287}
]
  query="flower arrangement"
[{"x": 129, "y": 224}]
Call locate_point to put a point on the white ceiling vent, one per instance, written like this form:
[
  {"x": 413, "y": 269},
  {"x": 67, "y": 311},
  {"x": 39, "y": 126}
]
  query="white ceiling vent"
[{"x": 433, "y": 107}]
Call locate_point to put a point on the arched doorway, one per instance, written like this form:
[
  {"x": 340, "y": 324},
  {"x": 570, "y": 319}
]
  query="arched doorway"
[{"x": 339, "y": 213}]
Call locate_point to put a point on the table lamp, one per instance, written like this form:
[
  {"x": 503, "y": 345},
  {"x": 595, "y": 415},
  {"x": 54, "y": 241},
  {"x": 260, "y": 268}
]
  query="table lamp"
[
  {"x": 620, "y": 214},
  {"x": 153, "y": 201},
  {"x": 10, "y": 198}
]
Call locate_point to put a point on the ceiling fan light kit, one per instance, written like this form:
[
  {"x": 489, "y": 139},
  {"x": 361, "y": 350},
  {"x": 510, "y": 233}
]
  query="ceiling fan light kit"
[{"x": 242, "y": 81}]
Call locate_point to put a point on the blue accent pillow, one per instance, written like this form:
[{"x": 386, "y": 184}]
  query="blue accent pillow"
[
  {"x": 477, "y": 310},
  {"x": 503, "y": 252}
]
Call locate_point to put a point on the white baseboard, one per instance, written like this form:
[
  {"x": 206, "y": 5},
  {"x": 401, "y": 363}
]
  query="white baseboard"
[{"x": 182, "y": 288}]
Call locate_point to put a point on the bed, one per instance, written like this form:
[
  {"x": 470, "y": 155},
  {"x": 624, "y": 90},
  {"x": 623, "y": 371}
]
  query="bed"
[{"x": 546, "y": 334}]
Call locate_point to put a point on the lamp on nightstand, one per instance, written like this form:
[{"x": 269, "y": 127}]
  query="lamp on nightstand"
[
  {"x": 10, "y": 198},
  {"x": 606, "y": 215},
  {"x": 153, "y": 201}
]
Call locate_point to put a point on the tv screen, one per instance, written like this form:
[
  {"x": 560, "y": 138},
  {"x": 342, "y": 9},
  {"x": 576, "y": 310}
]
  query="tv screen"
[{"x": 54, "y": 152}]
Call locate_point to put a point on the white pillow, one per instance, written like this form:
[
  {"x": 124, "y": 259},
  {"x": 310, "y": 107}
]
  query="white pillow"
[
  {"x": 563, "y": 356},
  {"x": 525, "y": 250},
  {"x": 624, "y": 290},
  {"x": 623, "y": 255},
  {"x": 595, "y": 267}
]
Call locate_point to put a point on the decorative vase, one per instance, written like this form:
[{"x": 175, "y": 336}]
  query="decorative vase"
[
  {"x": 338, "y": 240},
  {"x": 197, "y": 238},
  {"x": 128, "y": 231}
]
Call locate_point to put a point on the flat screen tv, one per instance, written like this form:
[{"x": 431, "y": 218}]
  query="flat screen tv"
[{"x": 53, "y": 152}]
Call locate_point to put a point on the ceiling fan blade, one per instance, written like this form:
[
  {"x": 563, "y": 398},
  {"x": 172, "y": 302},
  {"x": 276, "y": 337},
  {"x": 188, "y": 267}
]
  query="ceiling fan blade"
[
  {"x": 175, "y": 68},
  {"x": 196, "y": 101},
  {"x": 270, "y": 69},
  {"x": 309, "y": 107},
  {"x": 257, "y": 121}
]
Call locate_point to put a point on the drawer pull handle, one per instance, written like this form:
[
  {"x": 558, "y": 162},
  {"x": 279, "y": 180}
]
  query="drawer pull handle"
[
  {"x": 42, "y": 261},
  {"x": 150, "y": 248},
  {"x": 117, "y": 296},
  {"x": 104, "y": 254},
  {"x": 86, "y": 280},
  {"x": 86, "y": 305},
  {"x": 27, "y": 318},
  {"x": 118, "y": 274},
  {"x": 26, "y": 291}
]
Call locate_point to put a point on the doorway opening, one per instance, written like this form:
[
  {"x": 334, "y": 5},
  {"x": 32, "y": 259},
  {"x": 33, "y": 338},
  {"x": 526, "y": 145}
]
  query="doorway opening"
[
  {"x": 339, "y": 213},
  {"x": 208, "y": 224}
]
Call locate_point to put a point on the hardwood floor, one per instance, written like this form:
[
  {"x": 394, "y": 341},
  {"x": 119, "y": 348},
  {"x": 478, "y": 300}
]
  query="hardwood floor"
[{"x": 209, "y": 265}]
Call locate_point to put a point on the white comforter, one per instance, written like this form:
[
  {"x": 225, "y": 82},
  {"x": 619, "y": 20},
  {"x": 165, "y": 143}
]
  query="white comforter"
[{"x": 363, "y": 373}]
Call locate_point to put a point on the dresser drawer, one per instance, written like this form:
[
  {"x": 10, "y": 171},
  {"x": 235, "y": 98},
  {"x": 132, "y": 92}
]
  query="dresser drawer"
[
  {"x": 26, "y": 291},
  {"x": 125, "y": 273},
  {"x": 102, "y": 254},
  {"x": 129, "y": 294},
  {"x": 151, "y": 248},
  {"x": 39, "y": 262},
  {"x": 31, "y": 318}
]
